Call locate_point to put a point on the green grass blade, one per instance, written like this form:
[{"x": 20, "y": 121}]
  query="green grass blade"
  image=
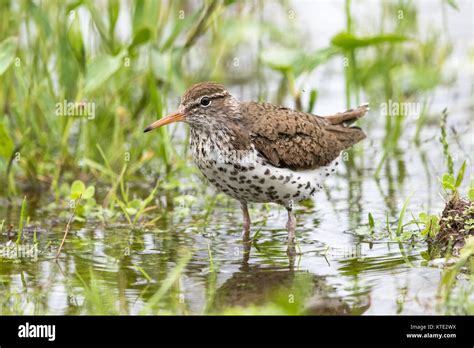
[
  {"x": 402, "y": 215},
  {"x": 20, "y": 225}
]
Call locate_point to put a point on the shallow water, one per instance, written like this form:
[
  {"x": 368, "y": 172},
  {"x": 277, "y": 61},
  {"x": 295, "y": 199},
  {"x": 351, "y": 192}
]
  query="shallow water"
[
  {"x": 338, "y": 271},
  {"x": 341, "y": 271}
]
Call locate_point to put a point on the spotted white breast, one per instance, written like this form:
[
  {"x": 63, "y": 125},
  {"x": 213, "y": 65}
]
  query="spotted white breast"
[{"x": 249, "y": 177}]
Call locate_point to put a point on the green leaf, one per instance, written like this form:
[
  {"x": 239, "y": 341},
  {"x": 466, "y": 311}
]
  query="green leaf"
[
  {"x": 77, "y": 189},
  {"x": 448, "y": 181},
  {"x": 42, "y": 21},
  {"x": 348, "y": 41},
  {"x": 136, "y": 203},
  {"x": 139, "y": 14},
  {"x": 402, "y": 214},
  {"x": 76, "y": 42},
  {"x": 313, "y": 95},
  {"x": 6, "y": 143},
  {"x": 141, "y": 37},
  {"x": 425, "y": 255},
  {"x": 22, "y": 218},
  {"x": 88, "y": 193},
  {"x": 460, "y": 176},
  {"x": 7, "y": 53},
  {"x": 68, "y": 66},
  {"x": 100, "y": 70},
  {"x": 114, "y": 11},
  {"x": 423, "y": 217},
  {"x": 371, "y": 221},
  {"x": 470, "y": 194},
  {"x": 79, "y": 212},
  {"x": 453, "y": 4},
  {"x": 431, "y": 223}
]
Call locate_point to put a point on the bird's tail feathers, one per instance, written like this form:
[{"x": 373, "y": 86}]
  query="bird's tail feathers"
[
  {"x": 340, "y": 122},
  {"x": 348, "y": 117}
]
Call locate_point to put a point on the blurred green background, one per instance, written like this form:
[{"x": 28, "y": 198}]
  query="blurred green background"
[
  {"x": 132, "y": 60},
  {"x": 148, "y": 236}
]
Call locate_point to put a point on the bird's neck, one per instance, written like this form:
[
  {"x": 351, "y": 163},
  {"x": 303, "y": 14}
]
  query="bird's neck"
[
  {"x": 220, "y": 136},
  {"x": 224, "y": 143}
]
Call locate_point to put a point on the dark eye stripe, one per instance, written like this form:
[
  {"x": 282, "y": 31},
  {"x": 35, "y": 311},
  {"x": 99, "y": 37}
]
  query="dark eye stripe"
[{"x": 211, "y": 97}]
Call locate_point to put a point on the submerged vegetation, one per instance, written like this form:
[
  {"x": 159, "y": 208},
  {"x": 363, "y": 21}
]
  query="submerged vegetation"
[{"x": 96, "y": 218}]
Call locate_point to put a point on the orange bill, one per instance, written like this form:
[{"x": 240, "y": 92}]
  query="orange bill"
[{"x": 171, "y": 118}]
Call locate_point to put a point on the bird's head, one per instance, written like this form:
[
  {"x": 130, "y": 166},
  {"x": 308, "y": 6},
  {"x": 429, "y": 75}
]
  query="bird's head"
[{"x": 202, "y": 106}]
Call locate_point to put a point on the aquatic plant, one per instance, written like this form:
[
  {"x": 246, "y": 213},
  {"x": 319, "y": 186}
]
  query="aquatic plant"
[{"x": 458, "y": 300}]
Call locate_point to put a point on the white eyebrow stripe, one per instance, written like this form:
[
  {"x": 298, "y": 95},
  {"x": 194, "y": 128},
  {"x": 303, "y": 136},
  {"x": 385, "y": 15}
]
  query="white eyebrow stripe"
[{"x": 218, "y": 95}]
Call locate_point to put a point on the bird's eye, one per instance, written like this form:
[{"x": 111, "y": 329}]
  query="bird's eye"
[{"x": 205, "y": 101}]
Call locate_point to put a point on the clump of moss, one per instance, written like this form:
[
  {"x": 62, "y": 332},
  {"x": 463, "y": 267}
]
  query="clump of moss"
[{"x": 455, "y": 225}]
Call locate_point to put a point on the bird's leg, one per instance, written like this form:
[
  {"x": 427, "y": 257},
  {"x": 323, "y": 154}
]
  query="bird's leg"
[
  {"x": 246, "y": 234},
  {"x": 246, "y": 225},
  {"x": 291, "y": 227}
]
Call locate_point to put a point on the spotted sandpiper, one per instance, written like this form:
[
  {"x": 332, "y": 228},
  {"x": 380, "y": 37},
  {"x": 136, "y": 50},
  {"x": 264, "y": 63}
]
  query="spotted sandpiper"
[{"x": 261, "y": 152}]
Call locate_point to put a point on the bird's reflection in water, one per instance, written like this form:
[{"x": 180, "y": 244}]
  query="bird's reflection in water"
[{"x": 295, "y": 291}]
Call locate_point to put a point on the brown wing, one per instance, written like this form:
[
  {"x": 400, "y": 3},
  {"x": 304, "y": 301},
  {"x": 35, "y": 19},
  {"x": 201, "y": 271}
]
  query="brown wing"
[{"x": 298, "y": 140}]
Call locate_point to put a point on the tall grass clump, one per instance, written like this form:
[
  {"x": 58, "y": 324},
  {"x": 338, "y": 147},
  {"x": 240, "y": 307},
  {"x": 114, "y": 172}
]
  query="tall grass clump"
[{"x": 120, "y": 65}]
